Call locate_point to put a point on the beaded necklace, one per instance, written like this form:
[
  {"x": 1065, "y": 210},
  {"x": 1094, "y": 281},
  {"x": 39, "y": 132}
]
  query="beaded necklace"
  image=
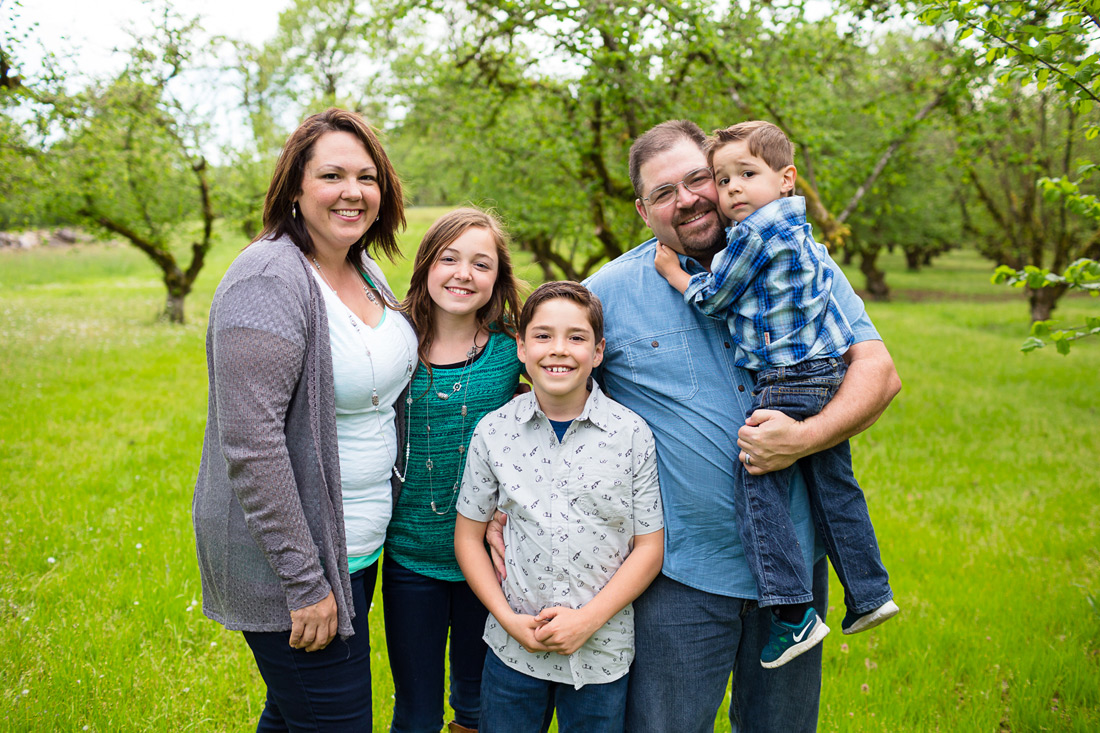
[{"x": 429, "y": 464}]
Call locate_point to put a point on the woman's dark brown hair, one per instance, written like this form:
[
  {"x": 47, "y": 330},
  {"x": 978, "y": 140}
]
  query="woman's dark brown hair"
[{"x": 286, "y": 184}]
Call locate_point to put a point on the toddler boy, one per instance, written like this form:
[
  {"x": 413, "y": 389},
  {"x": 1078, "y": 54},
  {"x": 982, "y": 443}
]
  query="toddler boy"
[
  {"x": 770, "y": 285},
  {"x": 576, "y": 473}
]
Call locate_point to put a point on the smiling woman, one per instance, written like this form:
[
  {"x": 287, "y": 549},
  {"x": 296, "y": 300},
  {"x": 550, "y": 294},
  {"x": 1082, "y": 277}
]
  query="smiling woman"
[
  {"x": 340, "y": 195},
  {"x": 307, "y": 359}
]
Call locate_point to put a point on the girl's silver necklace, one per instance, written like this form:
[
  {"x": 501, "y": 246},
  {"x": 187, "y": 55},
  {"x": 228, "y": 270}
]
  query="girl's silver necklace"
[
  {"x": 374, "y": 398},
  {"x": 443, "y": 396}
]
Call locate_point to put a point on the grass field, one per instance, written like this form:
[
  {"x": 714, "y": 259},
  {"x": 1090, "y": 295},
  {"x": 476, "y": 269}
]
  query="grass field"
[{"x": 983, "y": 481}]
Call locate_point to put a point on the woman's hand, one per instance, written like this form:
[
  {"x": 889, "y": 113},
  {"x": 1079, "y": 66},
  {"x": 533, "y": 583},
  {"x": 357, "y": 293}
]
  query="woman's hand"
[{"x": 314, "y": 626}]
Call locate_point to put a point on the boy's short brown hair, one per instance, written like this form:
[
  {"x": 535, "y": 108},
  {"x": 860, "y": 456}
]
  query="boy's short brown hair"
[
  {"x": 765, "y": 141},
  {"x": 565, "y": 290}
]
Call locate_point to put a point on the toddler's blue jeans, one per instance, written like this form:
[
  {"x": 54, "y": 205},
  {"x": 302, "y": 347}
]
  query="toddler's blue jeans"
[{"x": 839, "y": 507}]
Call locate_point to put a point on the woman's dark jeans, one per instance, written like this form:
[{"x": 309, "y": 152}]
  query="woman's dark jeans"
[{"x": 326, "y": 690}]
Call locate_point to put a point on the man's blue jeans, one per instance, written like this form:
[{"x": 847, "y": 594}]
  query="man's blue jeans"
[
  {"x": 512, "y": 702},
  {"x": 420, "y": 611},
  {"x": 326, "y": 690},
  {"x": 688, "y": 642},
  {"x": 839, "y": 507}
]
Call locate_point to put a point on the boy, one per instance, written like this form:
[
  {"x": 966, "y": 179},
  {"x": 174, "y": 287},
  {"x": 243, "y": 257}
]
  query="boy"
[
  {"x": 770, "y": 286},
  {"x": 576, "y": 473}
]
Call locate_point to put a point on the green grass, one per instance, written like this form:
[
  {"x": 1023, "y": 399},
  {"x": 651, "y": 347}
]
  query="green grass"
[{"x": 982, "y": 479}]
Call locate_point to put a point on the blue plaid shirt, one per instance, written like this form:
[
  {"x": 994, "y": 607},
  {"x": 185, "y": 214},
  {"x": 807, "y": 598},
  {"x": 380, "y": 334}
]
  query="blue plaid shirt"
[{"x": 771, "y": 285}]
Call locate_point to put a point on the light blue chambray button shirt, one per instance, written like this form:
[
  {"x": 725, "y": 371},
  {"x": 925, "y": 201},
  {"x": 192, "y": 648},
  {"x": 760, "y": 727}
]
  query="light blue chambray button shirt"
[{"x": 675, "y": 367}]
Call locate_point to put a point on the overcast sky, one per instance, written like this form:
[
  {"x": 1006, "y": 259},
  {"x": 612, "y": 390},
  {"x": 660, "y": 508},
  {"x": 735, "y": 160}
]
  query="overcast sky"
[{"x": 97, "y": 26}]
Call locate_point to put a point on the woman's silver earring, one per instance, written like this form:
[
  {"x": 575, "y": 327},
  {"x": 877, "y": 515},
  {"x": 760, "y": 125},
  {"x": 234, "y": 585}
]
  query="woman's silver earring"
[{"x": 293, "y": 209}]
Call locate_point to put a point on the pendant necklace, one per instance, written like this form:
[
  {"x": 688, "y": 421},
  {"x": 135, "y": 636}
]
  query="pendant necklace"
[
  {"x": 375, "y": 400},
  {"x": 366, "y": 290},
  {"x": 466, "y": 374}
]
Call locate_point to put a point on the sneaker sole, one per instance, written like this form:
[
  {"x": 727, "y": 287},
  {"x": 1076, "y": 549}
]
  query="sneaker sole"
[
  {"x": 883, "y": 613},
  {"x": 819, "y": 633}
]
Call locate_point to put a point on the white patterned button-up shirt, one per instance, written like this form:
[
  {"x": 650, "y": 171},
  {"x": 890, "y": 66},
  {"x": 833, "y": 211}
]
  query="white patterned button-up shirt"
[{"x": 573, "y": 509}]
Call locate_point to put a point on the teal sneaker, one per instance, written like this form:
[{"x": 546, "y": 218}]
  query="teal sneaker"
[
  {"x": 854, "y": 623},
  {"x": 787, "y": 641}
]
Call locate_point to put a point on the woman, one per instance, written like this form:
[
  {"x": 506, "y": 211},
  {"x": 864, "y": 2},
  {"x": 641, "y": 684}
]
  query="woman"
[{"x": 306, "y": 360}]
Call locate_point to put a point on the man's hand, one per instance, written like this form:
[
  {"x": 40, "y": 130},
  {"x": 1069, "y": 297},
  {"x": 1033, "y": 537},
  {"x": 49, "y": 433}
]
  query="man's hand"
[
  {"x": 494, "y": 536},
  {"x": 668, "y": 264},
  {"x": 565, "y": 630},
  {"x": 770, "y": 441},
  {"x": 313, "y": 627}
]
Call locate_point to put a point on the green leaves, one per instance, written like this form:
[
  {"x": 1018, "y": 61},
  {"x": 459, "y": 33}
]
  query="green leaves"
[
  {"x": 1084, "y": 274},
  {"x": 1061, "y": 338}
]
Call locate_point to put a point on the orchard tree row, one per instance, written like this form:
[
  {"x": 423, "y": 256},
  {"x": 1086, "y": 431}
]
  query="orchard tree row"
[{"x": 917, "y": 126}]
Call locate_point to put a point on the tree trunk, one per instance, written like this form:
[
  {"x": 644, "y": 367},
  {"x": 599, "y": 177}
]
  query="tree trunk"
[
  {"x": 1043, "y": 302},
  {"x": 912, "y": 259},
  {"x": 847, "y": 255},
  {"x": 874, "y": 277},
  {"x": 173, "y": 307}
]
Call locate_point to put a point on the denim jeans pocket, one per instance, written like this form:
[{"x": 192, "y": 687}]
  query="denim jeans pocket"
[{"x": 798, "y": 401}]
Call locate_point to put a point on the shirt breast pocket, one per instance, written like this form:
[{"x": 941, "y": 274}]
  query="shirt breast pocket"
[
  {"x": 662, "y": 364},
  {"x": 606, "y": 508}
]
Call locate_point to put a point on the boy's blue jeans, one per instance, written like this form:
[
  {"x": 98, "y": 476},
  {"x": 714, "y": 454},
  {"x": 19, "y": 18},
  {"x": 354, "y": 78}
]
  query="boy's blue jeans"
[
  {"x": 512, "y": 702},
  {"x": 839, "y": 508}
]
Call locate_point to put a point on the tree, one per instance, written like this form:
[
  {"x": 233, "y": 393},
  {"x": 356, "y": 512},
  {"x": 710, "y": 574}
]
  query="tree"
[
  {"x": 1042, "y": 55},
  {"x": 1007, "y": 141},
  {"x": 131, "y": 161},
  {"x": 558, "y": 93},
  {"x": 324, "y": 53}
]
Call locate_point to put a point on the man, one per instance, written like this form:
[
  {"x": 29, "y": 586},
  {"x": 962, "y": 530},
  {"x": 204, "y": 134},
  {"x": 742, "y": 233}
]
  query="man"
[{"x": 699, "y": 622}]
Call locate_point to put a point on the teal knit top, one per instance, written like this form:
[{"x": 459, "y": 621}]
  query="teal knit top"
[{"x": 418, "y": 538}]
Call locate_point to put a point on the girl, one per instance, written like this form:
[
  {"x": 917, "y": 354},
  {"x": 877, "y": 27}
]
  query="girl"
[{"x": 462, "y": 300}]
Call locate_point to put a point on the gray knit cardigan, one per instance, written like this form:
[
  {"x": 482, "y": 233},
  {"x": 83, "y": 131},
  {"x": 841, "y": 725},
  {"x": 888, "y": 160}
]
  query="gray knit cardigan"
[{"x": 268, "y": 512}]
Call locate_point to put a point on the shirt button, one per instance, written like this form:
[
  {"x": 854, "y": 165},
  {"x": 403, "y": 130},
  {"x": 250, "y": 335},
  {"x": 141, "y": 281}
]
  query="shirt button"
[
  {"x": 727, "y": 344},
  {"x": 561, "y": 576},
  {"x": 655, "y": 344},
  {"x": 740, "y": 388}
]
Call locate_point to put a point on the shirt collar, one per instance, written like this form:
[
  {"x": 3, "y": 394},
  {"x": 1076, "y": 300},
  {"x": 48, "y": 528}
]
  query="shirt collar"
[{"x": 596, "y": 408}]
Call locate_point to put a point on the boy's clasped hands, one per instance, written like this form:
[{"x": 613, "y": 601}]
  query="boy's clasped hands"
[{"x": 555, "y": 629}]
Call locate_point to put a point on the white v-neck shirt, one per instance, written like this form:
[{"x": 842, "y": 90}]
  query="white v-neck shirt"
[{"x": 365, "y": 433}]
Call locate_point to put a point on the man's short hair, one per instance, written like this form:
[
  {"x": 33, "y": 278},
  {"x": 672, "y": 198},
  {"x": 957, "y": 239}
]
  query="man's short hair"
[
  {"x": 564, "y": 290},
  {"x": 765, "y": 141},
  {"x": 656, "y": 141}
]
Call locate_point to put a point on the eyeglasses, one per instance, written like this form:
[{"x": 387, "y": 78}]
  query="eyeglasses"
[{"x": 662, "y": 196}]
